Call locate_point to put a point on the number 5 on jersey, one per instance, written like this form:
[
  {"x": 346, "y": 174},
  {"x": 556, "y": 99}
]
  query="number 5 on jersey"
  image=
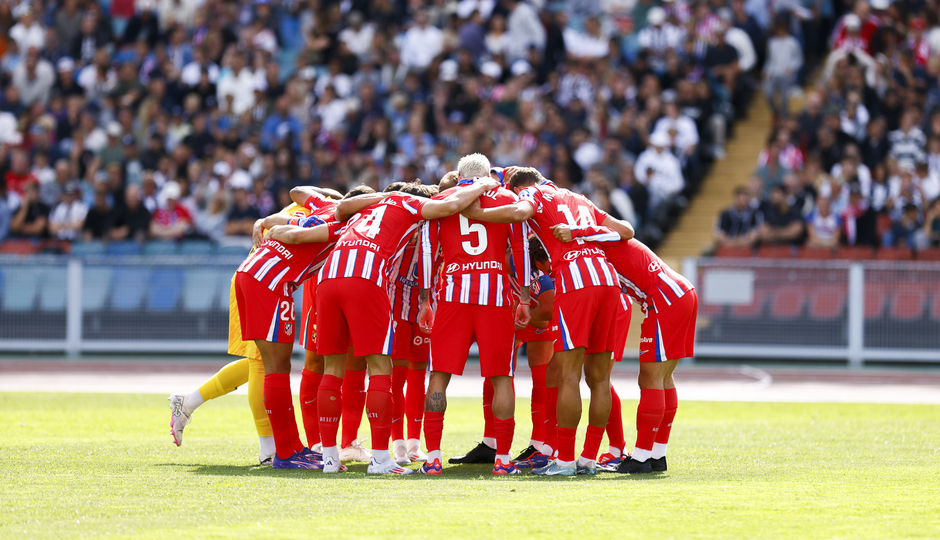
[{"x": 477, "y": 228}]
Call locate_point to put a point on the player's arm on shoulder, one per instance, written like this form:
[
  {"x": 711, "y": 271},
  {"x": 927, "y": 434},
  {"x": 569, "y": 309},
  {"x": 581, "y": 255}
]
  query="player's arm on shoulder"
[
  {"x": 458, "y": 200},
  {"x": 301, "y": 194},
  {"x": 351, "y": 206},
  {"x": 257, "y": 231},
  {"x": 303, "y": 233},
  {"x": 516, "y": 212},
  {"x": 619, "y": 226}
]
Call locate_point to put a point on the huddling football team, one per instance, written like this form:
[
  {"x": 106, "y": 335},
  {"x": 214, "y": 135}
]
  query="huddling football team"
[{"x": 400, "y": 284}]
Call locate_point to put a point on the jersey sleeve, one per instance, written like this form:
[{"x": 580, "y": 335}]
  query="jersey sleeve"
[
  {"x": 413, "y": 205},
  {"x": 599, "y": 215},
  {"x": 315, "y": 202},
  {"x": 542, "y": 284},
  {"x": 335, "y": 229},
  {"x": 593, "y": 233},
  {"x": 429, "y": 248},
  {"x": 519, "y": 244},
  {"x": 531, "y": 196}
]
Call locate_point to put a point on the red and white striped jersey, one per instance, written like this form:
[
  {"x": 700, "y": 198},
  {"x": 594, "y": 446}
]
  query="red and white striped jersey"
[
  {"x": 474, "y": 255},
  {"x": 645, "y": 276},
  {"x": 407, "y": 282},
  {"x": 283, "y": 267},
  {"x": 321, "y": 207},
  {"x": 577, "y": 264},
  {"x": 373, "y": 239}
]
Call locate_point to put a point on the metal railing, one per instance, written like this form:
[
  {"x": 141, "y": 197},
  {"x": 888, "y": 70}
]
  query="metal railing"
[{"x": 805, "y": 309}]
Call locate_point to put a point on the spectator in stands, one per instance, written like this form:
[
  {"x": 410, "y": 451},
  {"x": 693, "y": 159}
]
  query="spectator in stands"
[
  {"x": 99, "y": 219},
  {"x": 132, "y": 221},
  {"x": 858, "y": 220},
  {"x": 929, "y": 235},
  {"x": 525, "y": 30},
  {"x": 32, "y": 217},
  {"x": 28, "y": 31},
  {"x": 421, "y": 43},
  {"x": 784, "y": 58},
  {"x": 172, "y": 221},
  {"x": 822, "y": 226},
  {"x": 34, "y": 77},
  {"x": 680, "y": 129},
  {"x": 19, "y": 174},
  {"x": 929, "y": 183},
  {"x": 68, "y": 217},
  {"x": 782, "y": 224},
  {"x": 739, "y": 225},
  {"x": 660, "y": 171},
  {"x": 904, "y": 229},
  {"x": 908, "y": 141},
  {"x": 6, "y": 212},
  {"x": 242, "y": 216}
]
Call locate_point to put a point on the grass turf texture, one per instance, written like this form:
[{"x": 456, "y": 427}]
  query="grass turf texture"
[{"x": 103, "y": 465}]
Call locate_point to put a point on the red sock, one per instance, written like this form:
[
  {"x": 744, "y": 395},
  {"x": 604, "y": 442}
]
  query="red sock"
[
  {"x": 399, "y": 374},
  {"x": 379, "y": 410},
  {"x": 615, "y": 435},
  {"x": 309, "y": 386},
  {"x": 414, "y": 402},
  {"x": 329, "y": 408},
  {"x": 672, "y": 403},
  {"x": 489, "y": 427},
  {"x": 433, "y": 430},
  {"x": 295, "y": 433},
  {"x": 280, "y": 407},
  {"x": 649, "y": 414},
  {"x": 538, "y": 403},
  {"x": 592, "y": 441},
  {"x": 566, "y": 438},
  {"x": 551, "y": 417},
  {"x": 354, "y": 401},
  {"x": 504, "y": 432}
]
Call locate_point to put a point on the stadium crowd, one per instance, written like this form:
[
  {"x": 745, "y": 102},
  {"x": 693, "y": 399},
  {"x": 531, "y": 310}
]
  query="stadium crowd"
[
  {"x": 860, "y": 164},
  {"x": 169, "y": 119}
]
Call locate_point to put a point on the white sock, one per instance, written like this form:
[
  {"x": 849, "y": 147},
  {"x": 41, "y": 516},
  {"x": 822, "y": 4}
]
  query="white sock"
[
  {"x": 267, "y": 445},
  {"x": 414, "y": 443},
  {"x": 490, "y": 441},
  {"x": 434, "y": 454},
  {"x": 380, "y": 456},
  {"x": 547, "y": 450},
  {"x": 536, "y": 444},
  {"x": 564, "y": 463},
  {"x": 659, "y": 450},
  {"x": 192, "y": 401},
  {"x": 331, "y": 451},
  {"x": 640, "y": 455},
  {"x": 583, "y": 461},
  {"x": 505, "y": 458},
  {"x": 614, "y": 451},
  {"x": 398, "y": 442}
]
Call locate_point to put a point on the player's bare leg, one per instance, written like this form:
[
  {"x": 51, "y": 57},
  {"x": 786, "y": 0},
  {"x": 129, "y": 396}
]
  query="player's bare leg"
[
  {"x": 379, "y": 412},
  {"x": 309, "y": 386},
  {"x": 330, "y": 408},
  {"x": 354, "y": 402},
  {"x": 280, "y": 405},
  {"x": 597, "y": 375},
  {"x": 649, "y": 413},
  {"x": 435, "y": 404}
]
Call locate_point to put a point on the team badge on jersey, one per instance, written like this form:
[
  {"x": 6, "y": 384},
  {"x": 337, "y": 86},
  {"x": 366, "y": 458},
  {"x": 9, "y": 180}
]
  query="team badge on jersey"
[{"x": 289, "y": 329}]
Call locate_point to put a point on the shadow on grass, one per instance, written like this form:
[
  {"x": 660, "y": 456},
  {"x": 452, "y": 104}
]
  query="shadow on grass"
[{"x": 358, "y": 471}]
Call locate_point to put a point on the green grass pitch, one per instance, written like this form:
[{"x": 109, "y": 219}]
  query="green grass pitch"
[{"x": 98, "y": 465}]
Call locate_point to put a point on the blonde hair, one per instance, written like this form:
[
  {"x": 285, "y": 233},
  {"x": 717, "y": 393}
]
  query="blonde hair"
[{"x": 473, "y": 166}]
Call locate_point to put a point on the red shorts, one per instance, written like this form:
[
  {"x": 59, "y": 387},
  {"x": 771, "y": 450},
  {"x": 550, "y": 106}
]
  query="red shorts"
[
  {"x": 587, "y": 318},
  {"x": 530, "y": 333},
  {"x": 263, "y": 313},
  {"x": 670, "y": 334},
  {"x": 457, "y": 326},
  {"x": 308, "y": 317},
  {"x": 623, "y": 327},
  {"x": 410, "y": 342},
  {"x": 353, "y": 311}
]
